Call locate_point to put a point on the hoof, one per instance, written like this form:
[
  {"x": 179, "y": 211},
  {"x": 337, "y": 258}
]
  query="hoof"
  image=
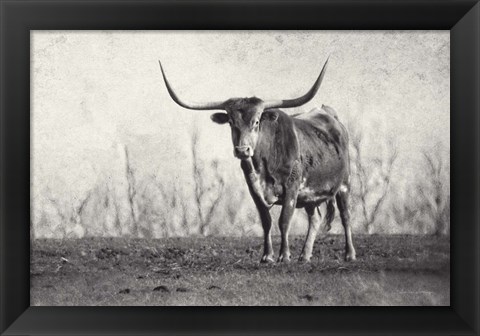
[
  {"x": 304, "y": 259},
  {"x": 284, "y": 258},
  {"x": 350, "y": 257},
  {"x": 267, "y": 259}
]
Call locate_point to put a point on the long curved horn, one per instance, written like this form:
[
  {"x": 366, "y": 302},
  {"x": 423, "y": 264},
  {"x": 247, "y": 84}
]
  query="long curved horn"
[
  {"x": 191, "y": 105},
  {"x": 300, "y": 100}
]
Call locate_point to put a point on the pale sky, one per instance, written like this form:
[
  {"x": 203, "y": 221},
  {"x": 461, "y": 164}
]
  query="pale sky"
[{"x": 92, "y": 90}]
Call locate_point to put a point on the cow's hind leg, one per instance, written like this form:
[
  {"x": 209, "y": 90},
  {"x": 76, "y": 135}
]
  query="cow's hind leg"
[
  {"x": 342, "y": 204},
  {"x": 313, "y": 226}
]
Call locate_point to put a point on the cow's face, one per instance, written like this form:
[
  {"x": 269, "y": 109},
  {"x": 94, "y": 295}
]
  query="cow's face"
[{"x": 245, "y": 116}]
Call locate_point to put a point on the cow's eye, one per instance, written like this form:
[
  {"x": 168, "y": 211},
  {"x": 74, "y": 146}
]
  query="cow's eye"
[{"x": 256, "y": 123}]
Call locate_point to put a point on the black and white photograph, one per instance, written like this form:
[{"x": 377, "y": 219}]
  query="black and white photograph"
[{"x": 240, "y": 168}]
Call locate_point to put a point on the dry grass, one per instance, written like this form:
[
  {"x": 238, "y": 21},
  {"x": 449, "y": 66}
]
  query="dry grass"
[{"x": 391, "y": 270}]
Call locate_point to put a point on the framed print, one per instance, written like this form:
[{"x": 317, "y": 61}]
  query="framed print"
[{"x": 182, "y": 157}]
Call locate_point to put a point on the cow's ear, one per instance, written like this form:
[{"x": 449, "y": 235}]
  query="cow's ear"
[
  {"x": 219, "y": 118},
  {"x": 270, "y": 115}
]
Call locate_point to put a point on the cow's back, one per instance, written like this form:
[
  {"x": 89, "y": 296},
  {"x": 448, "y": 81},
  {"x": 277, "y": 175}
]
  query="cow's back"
[
  {"x": 310, "y": 115},
  {"x": 325, "y": 121}
]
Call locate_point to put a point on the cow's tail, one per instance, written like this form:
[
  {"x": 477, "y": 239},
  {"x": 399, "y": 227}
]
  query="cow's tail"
[{"x": 330, "y": 215}]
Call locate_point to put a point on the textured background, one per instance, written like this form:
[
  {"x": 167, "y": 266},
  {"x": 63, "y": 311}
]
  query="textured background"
[{"x": 95, "y": 94}]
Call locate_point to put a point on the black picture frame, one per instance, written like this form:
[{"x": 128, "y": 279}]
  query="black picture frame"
[{"x": 461, "y": 17}]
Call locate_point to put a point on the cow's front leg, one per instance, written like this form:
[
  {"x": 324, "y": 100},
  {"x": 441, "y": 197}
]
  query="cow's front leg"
[
  {"x": 266, "y": 220},
  {"x": 284, "y": 225},
  {"x": 267, "y": 239},
  {"x": 263, "y": 210}
]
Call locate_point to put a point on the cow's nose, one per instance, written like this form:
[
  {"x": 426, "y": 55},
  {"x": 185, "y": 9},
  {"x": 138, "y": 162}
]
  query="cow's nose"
[{"x": 243, "y": 151}]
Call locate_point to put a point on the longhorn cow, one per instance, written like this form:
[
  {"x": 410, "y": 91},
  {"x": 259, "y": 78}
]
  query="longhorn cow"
[{"x": 296, "y": 161}]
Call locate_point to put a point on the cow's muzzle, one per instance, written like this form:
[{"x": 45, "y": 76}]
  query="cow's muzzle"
[{"x": 243, "y": 152}]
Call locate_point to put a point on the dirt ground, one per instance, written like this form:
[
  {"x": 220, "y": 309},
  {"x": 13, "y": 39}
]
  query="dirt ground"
[{"x": 390, "y": 270}]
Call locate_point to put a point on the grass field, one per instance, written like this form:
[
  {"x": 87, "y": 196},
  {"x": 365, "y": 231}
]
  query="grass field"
[{"x": 390, "y": 270}]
